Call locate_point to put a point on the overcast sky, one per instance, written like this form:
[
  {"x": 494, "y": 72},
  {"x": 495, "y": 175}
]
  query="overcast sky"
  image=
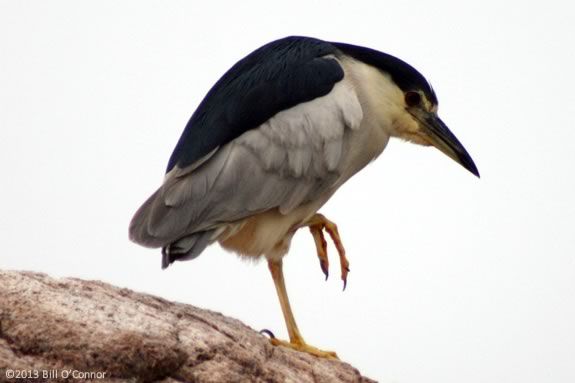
[{"x": 453, "y": 279}]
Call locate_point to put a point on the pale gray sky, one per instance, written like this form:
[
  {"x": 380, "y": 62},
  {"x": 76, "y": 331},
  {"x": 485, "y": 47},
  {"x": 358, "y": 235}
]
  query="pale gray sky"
[{"x": 452, "y": 278}]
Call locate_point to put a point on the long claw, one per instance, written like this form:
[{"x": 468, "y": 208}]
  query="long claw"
[
  {"x": 317, "y": 224},
  {"x": 321, "y": 246},
  {"x": 267, "y": 332},
  {"x": 344, "y": 272},
  {"x": 331, "y": 229},
  {"x": 324, "y": 267}
]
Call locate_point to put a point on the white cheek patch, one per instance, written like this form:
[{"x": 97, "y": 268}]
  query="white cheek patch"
[{"x": 405, "y": 124}]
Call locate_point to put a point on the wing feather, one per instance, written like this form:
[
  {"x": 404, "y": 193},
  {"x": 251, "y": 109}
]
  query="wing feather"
[{"x": 285, "y": 162}]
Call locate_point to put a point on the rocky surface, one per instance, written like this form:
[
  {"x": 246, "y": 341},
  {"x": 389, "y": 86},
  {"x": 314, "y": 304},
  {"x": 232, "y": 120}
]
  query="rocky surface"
[{"x": 77, "y": 330}]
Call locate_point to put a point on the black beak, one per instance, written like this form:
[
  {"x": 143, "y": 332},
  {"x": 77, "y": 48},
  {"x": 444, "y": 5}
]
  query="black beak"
[{"x": 441, "y": 137}]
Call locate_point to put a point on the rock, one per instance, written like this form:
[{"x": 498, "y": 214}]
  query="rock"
[{"x": 77, "y": 330}]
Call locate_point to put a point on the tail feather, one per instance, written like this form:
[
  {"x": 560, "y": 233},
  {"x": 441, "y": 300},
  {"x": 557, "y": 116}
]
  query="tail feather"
[
  {"x": 186, "y": 248},
  {"x": 138, "y": 231}
]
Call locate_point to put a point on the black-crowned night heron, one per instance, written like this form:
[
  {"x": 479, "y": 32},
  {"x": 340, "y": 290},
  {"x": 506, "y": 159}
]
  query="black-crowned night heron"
[{"x": 272, "y": 141}]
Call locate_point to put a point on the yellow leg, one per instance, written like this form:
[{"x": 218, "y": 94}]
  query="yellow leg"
[
  {"x": 296, "y": 340},
  {"x": 317, "y": 224}
]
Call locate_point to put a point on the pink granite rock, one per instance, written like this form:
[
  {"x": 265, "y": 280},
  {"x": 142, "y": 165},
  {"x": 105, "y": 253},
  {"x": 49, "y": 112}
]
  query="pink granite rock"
[{"x": 108, "y": 334}]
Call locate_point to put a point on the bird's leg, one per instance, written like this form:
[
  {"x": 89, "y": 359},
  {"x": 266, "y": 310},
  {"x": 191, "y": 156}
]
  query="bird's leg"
[
  {"x": 316, "y": 225},
  {"x": 296, "y": 341}
]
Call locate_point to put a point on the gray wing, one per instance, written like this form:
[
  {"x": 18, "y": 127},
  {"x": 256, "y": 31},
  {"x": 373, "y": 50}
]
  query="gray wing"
[{"x": 287, "y": 161}]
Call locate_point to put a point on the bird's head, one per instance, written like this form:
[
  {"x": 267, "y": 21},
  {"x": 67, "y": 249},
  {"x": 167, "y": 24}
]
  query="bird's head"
[
  {"x": 406, "y": 104},
  {"x": 418, "y": 122}
]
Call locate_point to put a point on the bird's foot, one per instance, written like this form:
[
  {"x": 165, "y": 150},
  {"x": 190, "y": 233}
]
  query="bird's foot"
[
  {"x": 316, "y": 225},
  {"x": 301, "y": 346},
  {"x": 304, "y": 347}
]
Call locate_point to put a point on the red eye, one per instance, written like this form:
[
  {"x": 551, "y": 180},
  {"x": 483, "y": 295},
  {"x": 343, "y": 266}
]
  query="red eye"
[{"x": 412, "y": 99}]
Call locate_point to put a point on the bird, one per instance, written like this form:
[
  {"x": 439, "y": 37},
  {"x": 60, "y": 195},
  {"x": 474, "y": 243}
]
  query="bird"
[{"x": 272, "y": 141}]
